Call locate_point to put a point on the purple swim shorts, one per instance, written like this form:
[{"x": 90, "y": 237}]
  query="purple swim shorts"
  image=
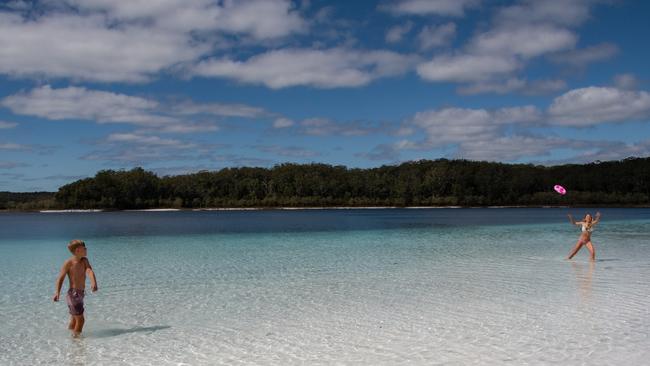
[{"x": 75, "y": 300}]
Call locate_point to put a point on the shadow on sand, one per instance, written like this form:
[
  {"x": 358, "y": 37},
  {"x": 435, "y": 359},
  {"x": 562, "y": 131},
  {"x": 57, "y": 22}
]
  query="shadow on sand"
[{"x": 105, "y": 333}]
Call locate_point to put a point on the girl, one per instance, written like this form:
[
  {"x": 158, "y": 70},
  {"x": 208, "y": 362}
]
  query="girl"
[{"x": 587, "y": 225}]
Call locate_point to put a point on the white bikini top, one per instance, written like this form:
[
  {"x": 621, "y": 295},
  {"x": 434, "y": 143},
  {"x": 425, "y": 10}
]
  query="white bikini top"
[{"x": 585, "y": 228}]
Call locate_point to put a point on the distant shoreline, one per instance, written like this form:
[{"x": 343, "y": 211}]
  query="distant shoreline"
[{"x": 288, "y": 208}]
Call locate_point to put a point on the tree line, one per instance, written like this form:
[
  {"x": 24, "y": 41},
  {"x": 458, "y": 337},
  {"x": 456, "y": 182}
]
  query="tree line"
[{"x": 439, "y": 182}]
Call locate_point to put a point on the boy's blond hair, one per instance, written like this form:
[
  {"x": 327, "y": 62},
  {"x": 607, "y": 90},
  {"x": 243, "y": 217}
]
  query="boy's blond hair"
[{"x": 74, "y": 244}]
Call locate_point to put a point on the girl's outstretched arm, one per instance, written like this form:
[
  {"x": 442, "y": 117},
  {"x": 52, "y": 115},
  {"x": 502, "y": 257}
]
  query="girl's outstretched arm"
[
  {"x": 571, "y": 220},
  {"x": 597, "y": 218}
]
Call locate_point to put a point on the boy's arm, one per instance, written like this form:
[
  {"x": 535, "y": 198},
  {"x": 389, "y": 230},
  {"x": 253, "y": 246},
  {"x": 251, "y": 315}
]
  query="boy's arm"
[
  {"x": 91, "y": 274},
  {"x": 59, "y": 280}
]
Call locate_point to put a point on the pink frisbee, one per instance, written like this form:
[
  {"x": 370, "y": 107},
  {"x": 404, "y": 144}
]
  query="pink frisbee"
[{"x": 559, "y": 189}]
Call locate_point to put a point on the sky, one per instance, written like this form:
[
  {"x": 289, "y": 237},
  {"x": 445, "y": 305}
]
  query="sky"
[{"x": 179, "y": 86}]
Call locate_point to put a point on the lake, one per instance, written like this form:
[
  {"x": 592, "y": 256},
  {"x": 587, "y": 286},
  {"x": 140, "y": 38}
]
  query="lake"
[{"x": 480, "y": 286}]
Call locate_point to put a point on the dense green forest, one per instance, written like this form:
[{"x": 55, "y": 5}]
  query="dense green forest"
[
  {"x": 419, "y": 183},
  {"x": 28, "y": 201}
]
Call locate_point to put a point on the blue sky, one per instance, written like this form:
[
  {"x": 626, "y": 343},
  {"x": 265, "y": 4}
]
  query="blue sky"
[{"x": 178, "y": 86}]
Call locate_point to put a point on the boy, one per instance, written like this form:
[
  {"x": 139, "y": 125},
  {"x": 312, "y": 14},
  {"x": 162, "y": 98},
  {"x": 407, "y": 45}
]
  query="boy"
[{"x": 76, "y": 269}]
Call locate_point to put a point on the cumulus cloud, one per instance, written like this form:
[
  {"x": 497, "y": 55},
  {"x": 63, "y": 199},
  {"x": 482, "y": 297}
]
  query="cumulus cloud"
[
  {"x": 584, "y": 56},
  {"x": 454, "y": 8},
  {"x": 524, "y": 41},
  {"x": 261, "y": 19},
  {"x": 509, "y": 148},
  {"x": 594, "y": 105},
  {"x": 328, "y": 127},
  {"x": 436, "y": 36},
  {"x": 82, "y": 103},
  {"x": 396, "y": 33},
  {"x": 219, "y": 109},
  {"x": 84, "y": 47},
  {"x": 466, "y": 67},
  {"x": 11, "y": 165},
  {"x": 152, "y": 141},
  {"x": 329, "y": 68},
  {"x": 7, "y": 125},
  {"x": 557, "y": 12},
  {"x": 130, "y": 41},
  {"x": 528, "y": 87},
  {"x": 382, "y": 152},
  {"x": 610, "y": 150},
  {"x": 288, "y": 151},
  {"x": 78, "y": 103},
  {"x": 12, "y": 146},
  {"x": 455, "y": 125},
  {"x": 137, "y": 148},
  {"x": 181, "y": 128},
  {"x": 626, "y": 81},
  {"x": 479, "y": 134},
  {"x": 492, "y": 58},
  {"x": 240, "y": 160},
  {"x": 282, "y": 123}
]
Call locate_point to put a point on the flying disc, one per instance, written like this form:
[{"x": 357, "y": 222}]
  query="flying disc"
[{"x": 559, "y": 189}]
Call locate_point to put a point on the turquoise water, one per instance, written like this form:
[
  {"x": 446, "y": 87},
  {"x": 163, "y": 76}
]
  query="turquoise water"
[{"x": 441, "y": 286}]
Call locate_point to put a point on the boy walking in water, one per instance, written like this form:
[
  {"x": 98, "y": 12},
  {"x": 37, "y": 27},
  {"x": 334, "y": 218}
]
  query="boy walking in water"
[{"x": 76, "y": 269}]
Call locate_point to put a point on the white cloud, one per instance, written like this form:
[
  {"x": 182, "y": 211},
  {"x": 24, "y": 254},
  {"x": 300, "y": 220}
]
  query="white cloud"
[
  {"x": 525, "y": 114},
  {"x": 70, "y": 46},
  {"x": 396, "y": 33},
  {"x": 611, "y": 150},
  {"x": 153, "y": 141},
  {"x": 185, "y": 127},
  {"x": 558, "y": 12},
  {"x": 594, "y": 105},
  {"x": 327, "y": 127},
  {"x": 431, "y": 36},
  {"x": 467, "y": 67},
  {"x": 331, "y": 68},
  {"x": 455, "y": 125},
  {"x": 382, "y": 152},
  {"x": 626, "y": 81},
  {"x": 261, "y": 19},
  {"x": 509, "y": 148},
  {"x": 289, "y": 151},
  {"x": 131, "y": 41},
  {"x": 108, "y": 107},
  {"x": 85, "y": 104},
  {"x": 455, "y": 8},
  {"x": 282, "y": 123},
  {"x": 7, "y": 125},
  {"x": 12, "y": 146},
  {"x": 491, "y": 59},
  {"x": 524, "y": 41},
  {"x": 138, "y": 148},
  {"x": 452, "y": 125},
  {"x": 534, "y": 87},
  {"x": 11, "y": 165},
  {"x": 219, "y": 109},
  {"x": 584, "y": 56}
]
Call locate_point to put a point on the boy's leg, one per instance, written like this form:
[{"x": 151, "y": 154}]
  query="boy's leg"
[
  {"x": 79, "y": 324},
  {"x": 72, "y": 323}
]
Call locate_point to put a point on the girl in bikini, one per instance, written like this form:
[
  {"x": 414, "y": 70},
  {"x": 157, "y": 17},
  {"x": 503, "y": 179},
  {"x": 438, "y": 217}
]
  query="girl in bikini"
[{"x": 587, "y": 226}]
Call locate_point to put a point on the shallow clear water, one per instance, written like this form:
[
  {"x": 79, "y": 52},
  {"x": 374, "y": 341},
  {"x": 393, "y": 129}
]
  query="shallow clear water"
[{"x": 439, "y": 286}]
